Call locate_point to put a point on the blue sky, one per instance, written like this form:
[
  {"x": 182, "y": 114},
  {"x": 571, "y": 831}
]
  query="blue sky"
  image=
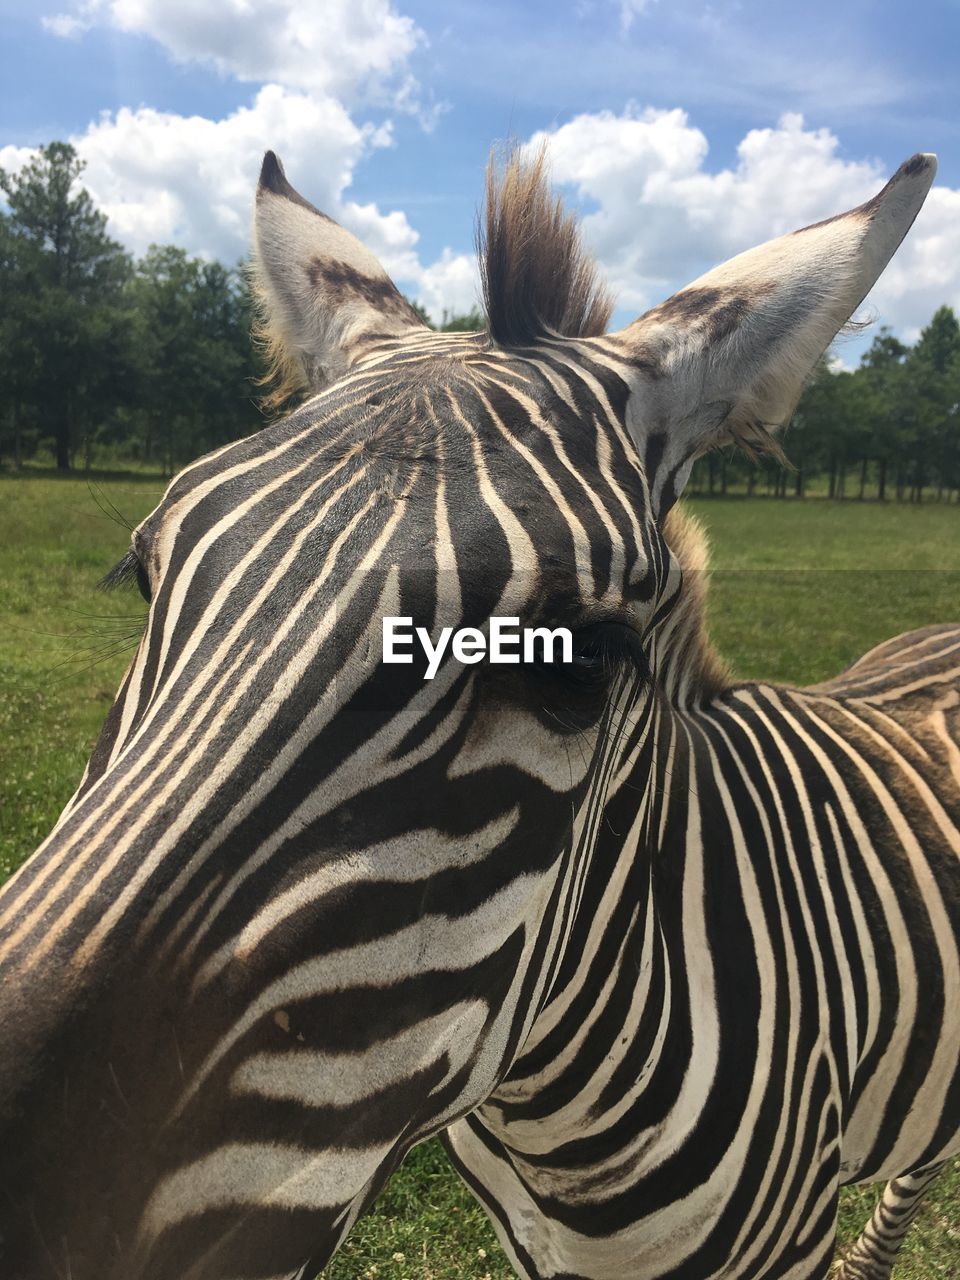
[{"x": 684, "y": 131}]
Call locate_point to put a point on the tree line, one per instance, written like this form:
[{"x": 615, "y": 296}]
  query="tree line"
[
  {"x": 104, "y": 356},
  {"x": 150, "y": 360},
  {"x": 889, "y": 429}
]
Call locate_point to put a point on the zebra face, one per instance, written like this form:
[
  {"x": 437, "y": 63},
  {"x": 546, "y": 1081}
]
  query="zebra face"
[
  {"x": 310, "y": 896},
  {"x": 317, "y": 884},
  {"x": 306, "y": 907}
]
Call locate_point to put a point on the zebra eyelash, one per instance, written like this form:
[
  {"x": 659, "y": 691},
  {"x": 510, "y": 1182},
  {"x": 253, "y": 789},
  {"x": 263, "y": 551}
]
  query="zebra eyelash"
[
  {"x": 600, "y": 652},
  {"x": 123, "y": 571},
  {"x": 128, "y": 569},
  {"x": 608, "y": 647}
]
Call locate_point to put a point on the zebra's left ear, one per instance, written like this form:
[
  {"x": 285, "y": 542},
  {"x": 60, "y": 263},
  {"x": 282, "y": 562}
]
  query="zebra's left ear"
[
  {"x": 726, "y": 358},
  {"x": 320, "y": 291}
]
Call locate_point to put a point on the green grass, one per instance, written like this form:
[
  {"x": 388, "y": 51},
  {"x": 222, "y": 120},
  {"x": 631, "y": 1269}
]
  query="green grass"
[
  {"x": 56, "y": 543},
  {"x": 799, "y": 591}
]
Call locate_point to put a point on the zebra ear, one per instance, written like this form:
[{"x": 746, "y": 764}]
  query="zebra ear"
[
  {"x": 320, "y": 291},
  {"x": 725, "y": 359}
]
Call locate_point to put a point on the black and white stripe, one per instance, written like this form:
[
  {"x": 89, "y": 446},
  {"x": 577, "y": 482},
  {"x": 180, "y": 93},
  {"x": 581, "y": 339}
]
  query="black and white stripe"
[
  {"x": 788, "y": 894},
  {"x": 666, "y": 957}
]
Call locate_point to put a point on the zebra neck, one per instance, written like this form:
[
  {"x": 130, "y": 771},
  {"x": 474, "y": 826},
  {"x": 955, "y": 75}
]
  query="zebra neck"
[
  {"x": 618, "y": 1079},
  {"x": 738, "y": 844},
  {"x": 617, "y": 1024},
  {"x": 622, "y": 1063}
]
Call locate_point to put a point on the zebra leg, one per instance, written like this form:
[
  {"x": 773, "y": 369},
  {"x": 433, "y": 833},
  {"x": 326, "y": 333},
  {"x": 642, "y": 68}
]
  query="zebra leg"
[{"x": 874, "y": 1254}]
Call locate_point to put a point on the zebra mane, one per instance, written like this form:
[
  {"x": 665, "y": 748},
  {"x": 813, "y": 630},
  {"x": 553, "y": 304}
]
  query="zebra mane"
[
  {"x": 537, "y": 278},
  {"x": 689, "y": 668}
]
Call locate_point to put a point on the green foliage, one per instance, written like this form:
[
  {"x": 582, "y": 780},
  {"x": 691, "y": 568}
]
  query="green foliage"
[
  {"x": 195, "y": 366},
  {"x": 470, "y": 322},
  {"x": 148, "y": 361},
  {"x": 800, "y": 590},
  {"x": 63, "y": 314},
  {"x": 152, "y": 359},
  {"x": 426, "y": 1226},
  {"x": 65, "y": 645},
  {"x": 421, "y": 311}
]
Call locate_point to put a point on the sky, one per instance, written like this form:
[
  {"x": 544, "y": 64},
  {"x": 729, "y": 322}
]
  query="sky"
[{"x": 682, "y": 131}]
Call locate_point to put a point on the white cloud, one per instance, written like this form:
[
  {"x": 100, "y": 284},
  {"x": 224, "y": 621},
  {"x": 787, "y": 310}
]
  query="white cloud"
[
  {"x": 163, "y": 177},
  {"x": 630, "y": 10},
  {"x": 663, "y": 217},
  {"x": 659, "y": 216},
  {"x": 339, "y": 47},
  {"x": 450, "y": 284},
  {"x": 13, "y": 158},
  {"x": 66, "y": 25},
  {"x": 166, "y": 178},
  {"x": 925, "y": 271}
]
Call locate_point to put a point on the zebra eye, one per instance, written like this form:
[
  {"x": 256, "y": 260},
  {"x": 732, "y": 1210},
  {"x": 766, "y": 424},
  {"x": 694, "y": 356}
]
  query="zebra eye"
[
  {"x": 599, "y": 652},
  {"x": 572, "y": 695},
  {"x": 129, "y": 569},
  {"x": 143, "y": 582}
]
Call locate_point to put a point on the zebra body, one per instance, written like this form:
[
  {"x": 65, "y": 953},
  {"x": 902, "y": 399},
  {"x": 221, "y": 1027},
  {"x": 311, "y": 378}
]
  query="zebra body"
[
  {"x": 665, "y": 957},
  {"x": 788, "y": 897}
]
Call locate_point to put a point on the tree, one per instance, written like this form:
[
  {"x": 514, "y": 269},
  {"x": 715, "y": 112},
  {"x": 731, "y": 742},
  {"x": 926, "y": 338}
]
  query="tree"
[
  {"x": 195, "y": 360},
  {"x": 452, "y": 321},
  {"x": 821, "y": 433},
  {"x": 67, "y": 278},
  {"x": 931, "y": 368},
  {"x": 419, "y": 309},
  {"x": 155, "y": 359},
  {"x": 19, "y": 358},
  {"x": 883, "y": 386},
  {"x": 468, "y": 322}
]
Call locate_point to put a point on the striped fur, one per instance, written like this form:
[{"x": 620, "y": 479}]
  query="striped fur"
[
  {"x": 666, "y": 958},
  {"x": 787, "y": 1021}
]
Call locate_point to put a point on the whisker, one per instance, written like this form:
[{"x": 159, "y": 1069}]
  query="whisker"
[
  {"x": 108, "y": 507},
  {"x": 116, "y": 1084},
  {"x": 70, "y": 672},
  {"x": 44, "y": 1246}
]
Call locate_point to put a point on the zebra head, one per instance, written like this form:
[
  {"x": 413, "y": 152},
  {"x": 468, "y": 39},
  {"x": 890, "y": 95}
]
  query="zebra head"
[{"x": 306, "y": 907}]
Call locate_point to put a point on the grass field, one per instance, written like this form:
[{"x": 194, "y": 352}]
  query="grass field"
[{"x": 799, "y": 591}]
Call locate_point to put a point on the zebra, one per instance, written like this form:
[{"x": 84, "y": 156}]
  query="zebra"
[{"x": 663, "y": 956}]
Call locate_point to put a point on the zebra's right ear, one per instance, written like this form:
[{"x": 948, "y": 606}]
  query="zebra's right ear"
[{"x": 321, "y": 293}]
